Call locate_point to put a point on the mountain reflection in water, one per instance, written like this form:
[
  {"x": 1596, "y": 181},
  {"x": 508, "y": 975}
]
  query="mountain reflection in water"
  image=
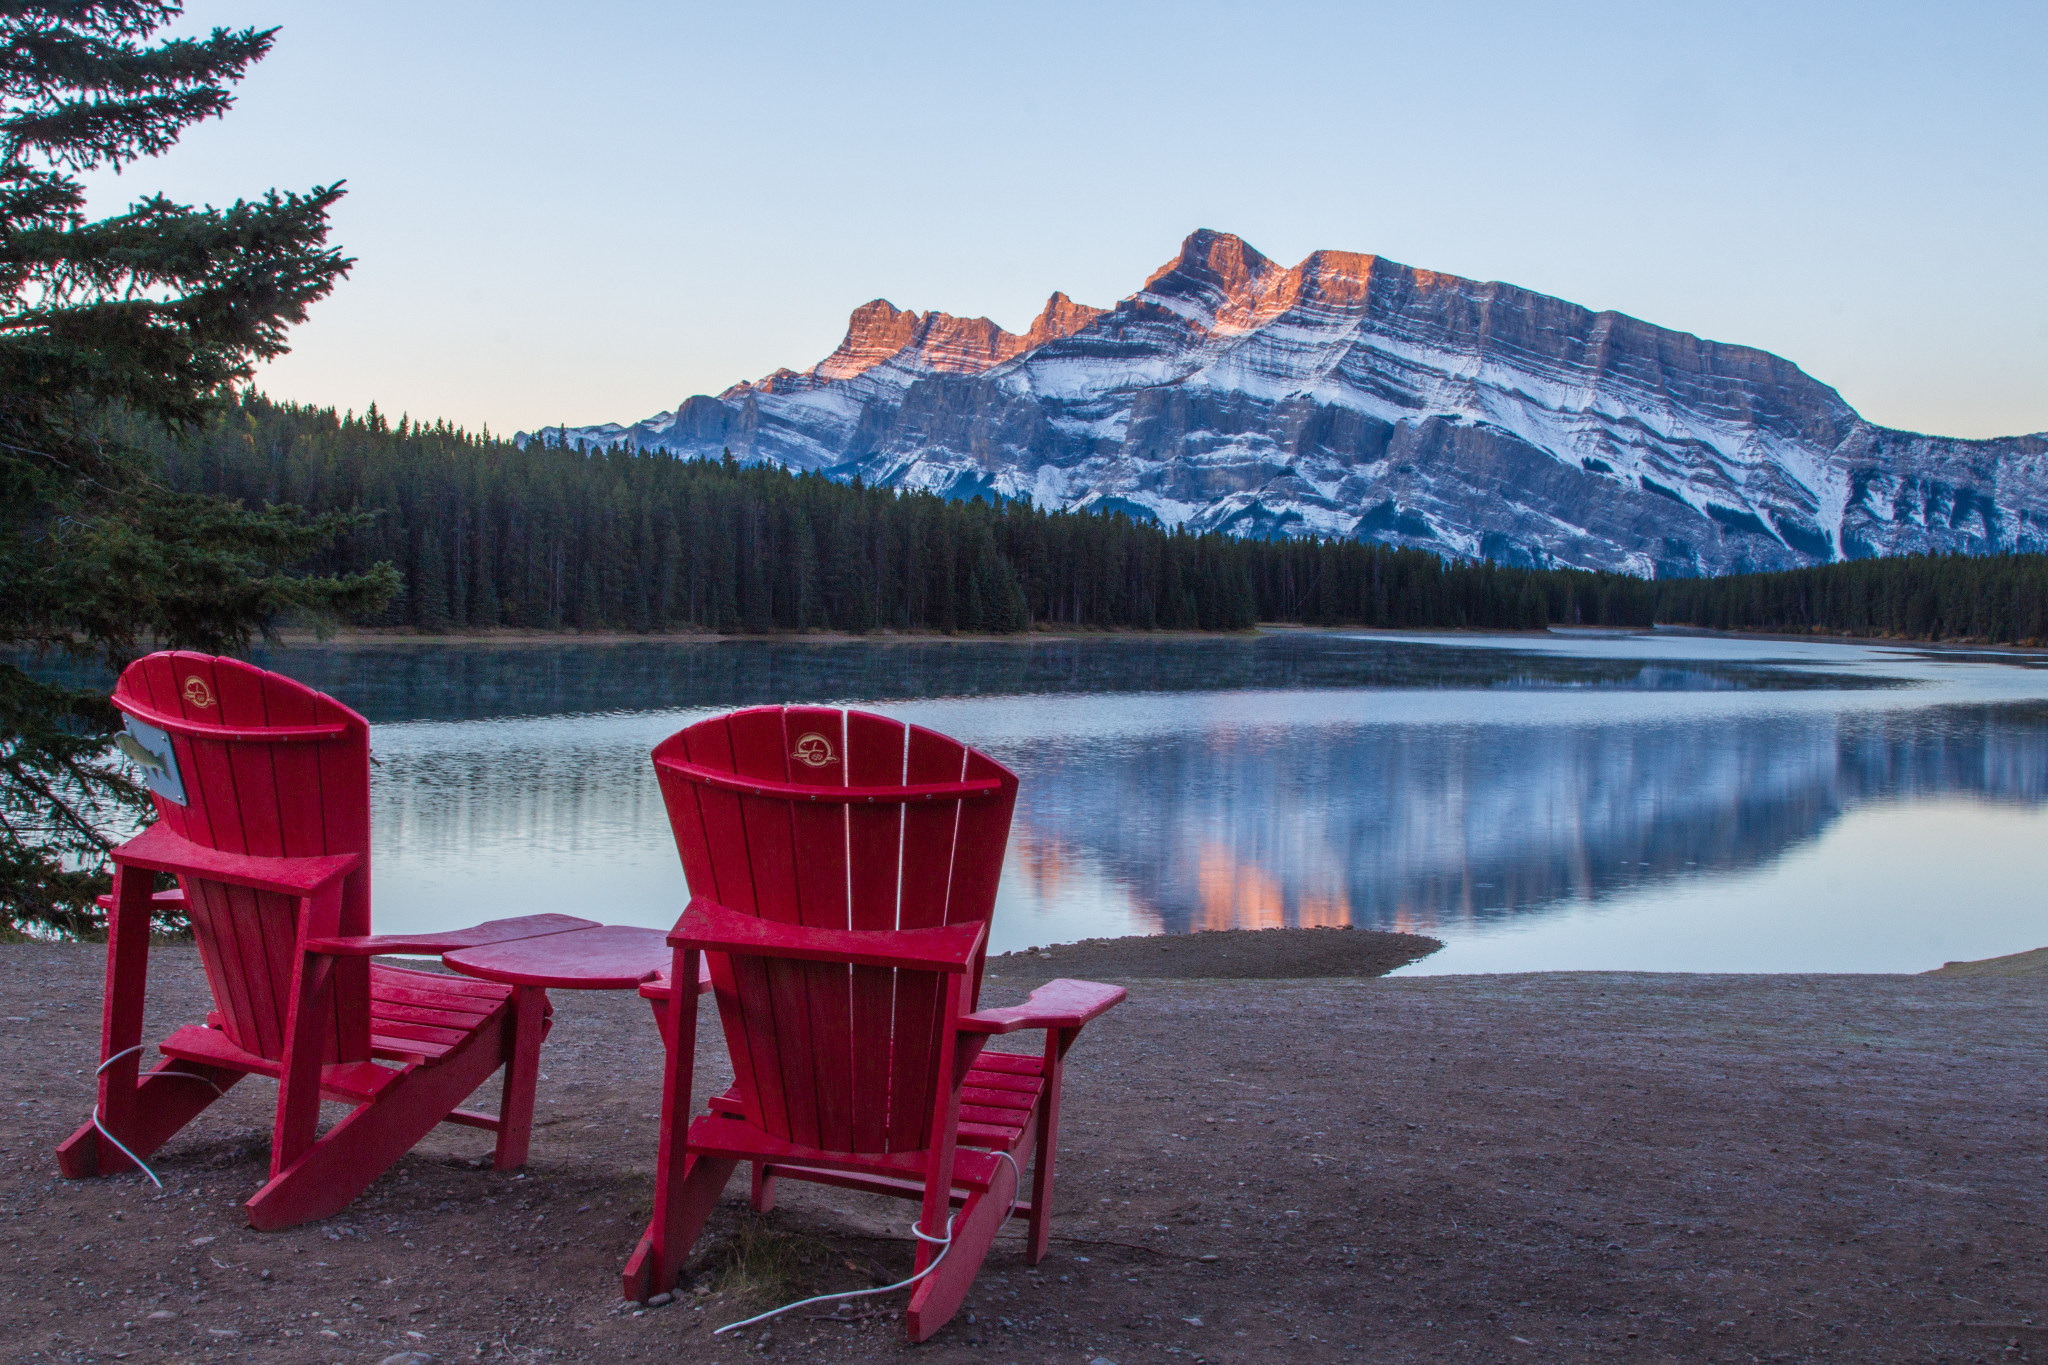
[
  {"x": 1427, "y": 829},
  {"x": 1471, "y": 788}
]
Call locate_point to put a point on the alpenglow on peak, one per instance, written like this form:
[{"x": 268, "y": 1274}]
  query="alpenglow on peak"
[{"x": 1352, "y": 396}]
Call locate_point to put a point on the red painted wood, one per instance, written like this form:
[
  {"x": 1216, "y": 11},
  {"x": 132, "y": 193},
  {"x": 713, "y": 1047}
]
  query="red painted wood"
[
  {"x": 874, "y": 757},
  {"x": 928, "y": 859},
  {"x": 719, "y": 929},
  {"x": 879, "y": 1184},
  {"x": 476, "y": 936},
  {"x": 302, "y": 808},
  {"x": 759, "y": 752},
  {"x": 818, "y": 837},
  {"x": 939, "y": 1296},
  {"x": 272, "y": 853},
  {"x": 398, "y": 983},
  {"x": 163, "y": 850},
  {"x": 844, "y": 869},
  {"x": 1060, "y": 1003},
  {"x": 600, "y": 958},
  {"x": 810, "y": 793},
  {"x": 267, "y": 734},
  {"x": 334, "y": 1170},
  {"x": 120, "y": 1030},
  {"x": 1039, "y": 1236},
  {"x": 687, "y": 1188},
  {"x": 522, "y": 1072},
  {"x": 720, "y": 1135},
  {"x": 984, "y": 833},
  {"x": 352, "y": 1082}
]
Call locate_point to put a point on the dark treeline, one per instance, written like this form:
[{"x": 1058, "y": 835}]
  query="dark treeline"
[
  {"x": 1997, "y": 599},
  {"x": 488, "y": 533}
]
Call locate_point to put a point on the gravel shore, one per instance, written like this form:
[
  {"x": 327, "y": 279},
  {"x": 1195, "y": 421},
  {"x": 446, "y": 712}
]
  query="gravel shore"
[{"x": 1537, "y": 1167}]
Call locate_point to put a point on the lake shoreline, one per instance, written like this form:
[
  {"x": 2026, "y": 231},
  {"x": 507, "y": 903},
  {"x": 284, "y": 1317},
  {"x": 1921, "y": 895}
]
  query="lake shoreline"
[{"x": 508, "y": 636}]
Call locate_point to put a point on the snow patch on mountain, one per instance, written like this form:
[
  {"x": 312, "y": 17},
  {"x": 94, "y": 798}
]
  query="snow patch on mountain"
[{"x": 1351, "y": 396}]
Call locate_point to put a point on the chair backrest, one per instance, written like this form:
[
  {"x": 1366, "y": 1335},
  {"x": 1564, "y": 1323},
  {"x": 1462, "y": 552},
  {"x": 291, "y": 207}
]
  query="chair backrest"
[
  {"x": 836, "y": 820},
  {"x": 265, "y": 766}
]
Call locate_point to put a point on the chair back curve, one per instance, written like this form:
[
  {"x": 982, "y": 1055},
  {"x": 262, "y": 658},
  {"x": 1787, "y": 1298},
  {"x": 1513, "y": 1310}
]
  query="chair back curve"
[
  {"x": 836, "y": 819},
  {"x": 265, "y": 766}
]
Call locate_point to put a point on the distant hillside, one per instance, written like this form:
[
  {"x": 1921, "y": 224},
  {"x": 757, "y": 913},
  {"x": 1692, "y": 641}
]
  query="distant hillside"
[{"x": 1355, "y": 398}]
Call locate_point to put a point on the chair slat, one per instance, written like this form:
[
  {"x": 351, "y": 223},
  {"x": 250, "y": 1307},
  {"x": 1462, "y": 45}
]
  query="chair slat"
[
  {"x": 1013, "y": 1063},
  {"x": 996, "y": 1137},
  {"x": 723, "y": 832},
  {"x": 874, "y": 995},
  {"x": 874, "y": 757},
  {"x": 752, "y": 1019},
  {"x": 929, "y": 831},
  {"x": 213, "y": 928},
  {"x": 982, "y": 839},
  {"x": 818, "y": 837},
  {"x": 406, "y": 1029},
  {"x": 392, "y": 1048},
  {"x": 405, "y": 983},
  {"x": 298, "y": 794},
  {"x": 430, "y": 1015}
]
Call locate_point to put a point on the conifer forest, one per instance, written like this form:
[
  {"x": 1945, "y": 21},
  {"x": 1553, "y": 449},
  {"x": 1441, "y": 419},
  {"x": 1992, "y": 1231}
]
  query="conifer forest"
[{"x": 488, "y": 533}]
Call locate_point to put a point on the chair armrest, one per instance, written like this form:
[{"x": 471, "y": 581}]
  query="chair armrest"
[
  {"x": 173, "y": 899},
  {"x": 476, "y": 936},
  {"x": 159, "y": 849},
  {"x": 657, "y": 989},
  {"x": 1056, "y": 1004}
]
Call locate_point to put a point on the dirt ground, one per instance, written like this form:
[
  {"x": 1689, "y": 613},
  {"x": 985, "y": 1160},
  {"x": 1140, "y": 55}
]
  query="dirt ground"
[{"x": 1508, "y": 1168}]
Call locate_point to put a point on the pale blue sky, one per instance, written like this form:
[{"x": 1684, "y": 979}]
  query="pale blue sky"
[{"x": 587, "y": 213}]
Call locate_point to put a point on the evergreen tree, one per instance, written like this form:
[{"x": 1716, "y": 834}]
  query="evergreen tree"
[{"x": 109, "y": 326}]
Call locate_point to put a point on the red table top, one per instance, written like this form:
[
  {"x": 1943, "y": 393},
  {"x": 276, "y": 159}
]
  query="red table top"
[{"x": 609, "y": 957}]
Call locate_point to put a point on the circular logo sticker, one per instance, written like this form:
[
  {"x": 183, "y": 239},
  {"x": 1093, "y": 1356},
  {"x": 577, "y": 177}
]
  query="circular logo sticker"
[
  {"x": 813, "y": 750},
  {"x": 197, "y": 692}
]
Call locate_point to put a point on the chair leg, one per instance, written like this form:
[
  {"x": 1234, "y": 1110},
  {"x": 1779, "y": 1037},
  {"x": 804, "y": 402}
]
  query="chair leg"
[
  {"x": 939, "y": 1295},
  {"x": 167, "y": 1099},
  {"x": 1039, "y": 1232},
  {"x": 341, "y": 1163},
  {"x": 677, "y": 1222},
  {"x": 762, "y": 1196},
  {"x": 116, "y": 1091},
  {"x": 522, "y": 1076}
]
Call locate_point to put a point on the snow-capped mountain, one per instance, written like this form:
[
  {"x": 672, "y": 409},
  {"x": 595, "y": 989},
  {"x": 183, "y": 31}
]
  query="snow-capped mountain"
[{"x": 1353, "y": 396}]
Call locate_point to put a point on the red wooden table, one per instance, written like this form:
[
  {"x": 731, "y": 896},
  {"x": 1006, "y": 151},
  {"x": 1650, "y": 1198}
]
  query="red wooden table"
[{"x": 606, "y": 957}]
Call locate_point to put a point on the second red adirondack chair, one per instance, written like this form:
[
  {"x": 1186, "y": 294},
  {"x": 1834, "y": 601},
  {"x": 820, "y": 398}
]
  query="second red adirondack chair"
[
  {"x": 262, "y": 795},
  {"x": 843, "y": 869}
]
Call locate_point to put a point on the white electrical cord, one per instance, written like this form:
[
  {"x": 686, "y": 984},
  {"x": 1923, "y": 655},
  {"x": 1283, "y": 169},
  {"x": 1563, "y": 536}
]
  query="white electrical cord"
[
  {"x": 945, "y": 1244},
  {"x": 190, "y": 1075}
]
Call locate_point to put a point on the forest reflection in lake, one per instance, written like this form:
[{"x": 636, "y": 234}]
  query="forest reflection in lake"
[{"x": 1534, "y": 803}]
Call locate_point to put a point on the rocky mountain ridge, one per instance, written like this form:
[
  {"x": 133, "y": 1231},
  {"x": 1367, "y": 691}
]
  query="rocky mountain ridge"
[{"x": 1353, "y": 396}]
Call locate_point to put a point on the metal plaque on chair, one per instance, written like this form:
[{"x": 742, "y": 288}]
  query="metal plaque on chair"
[{"x": 150, "y": 750}]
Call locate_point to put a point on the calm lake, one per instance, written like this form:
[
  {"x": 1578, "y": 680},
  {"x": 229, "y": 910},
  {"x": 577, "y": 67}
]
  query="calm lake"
[{"x": 1664, "y": 802}]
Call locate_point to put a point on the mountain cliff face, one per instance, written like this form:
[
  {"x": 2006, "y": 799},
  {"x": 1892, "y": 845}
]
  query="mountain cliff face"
[{"x": 1352, "y": 396}]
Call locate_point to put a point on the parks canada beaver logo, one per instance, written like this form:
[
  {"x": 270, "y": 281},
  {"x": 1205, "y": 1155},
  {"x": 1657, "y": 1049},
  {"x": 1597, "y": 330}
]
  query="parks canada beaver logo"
[
  {"x": 197, "y": 692},
  {"x": 813, "y": 750}
]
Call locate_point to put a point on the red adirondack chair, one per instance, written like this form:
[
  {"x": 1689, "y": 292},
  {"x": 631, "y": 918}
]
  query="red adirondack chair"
[
  {"x": 843, "y": 868},
  {"x": 262, "y": 794}
]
